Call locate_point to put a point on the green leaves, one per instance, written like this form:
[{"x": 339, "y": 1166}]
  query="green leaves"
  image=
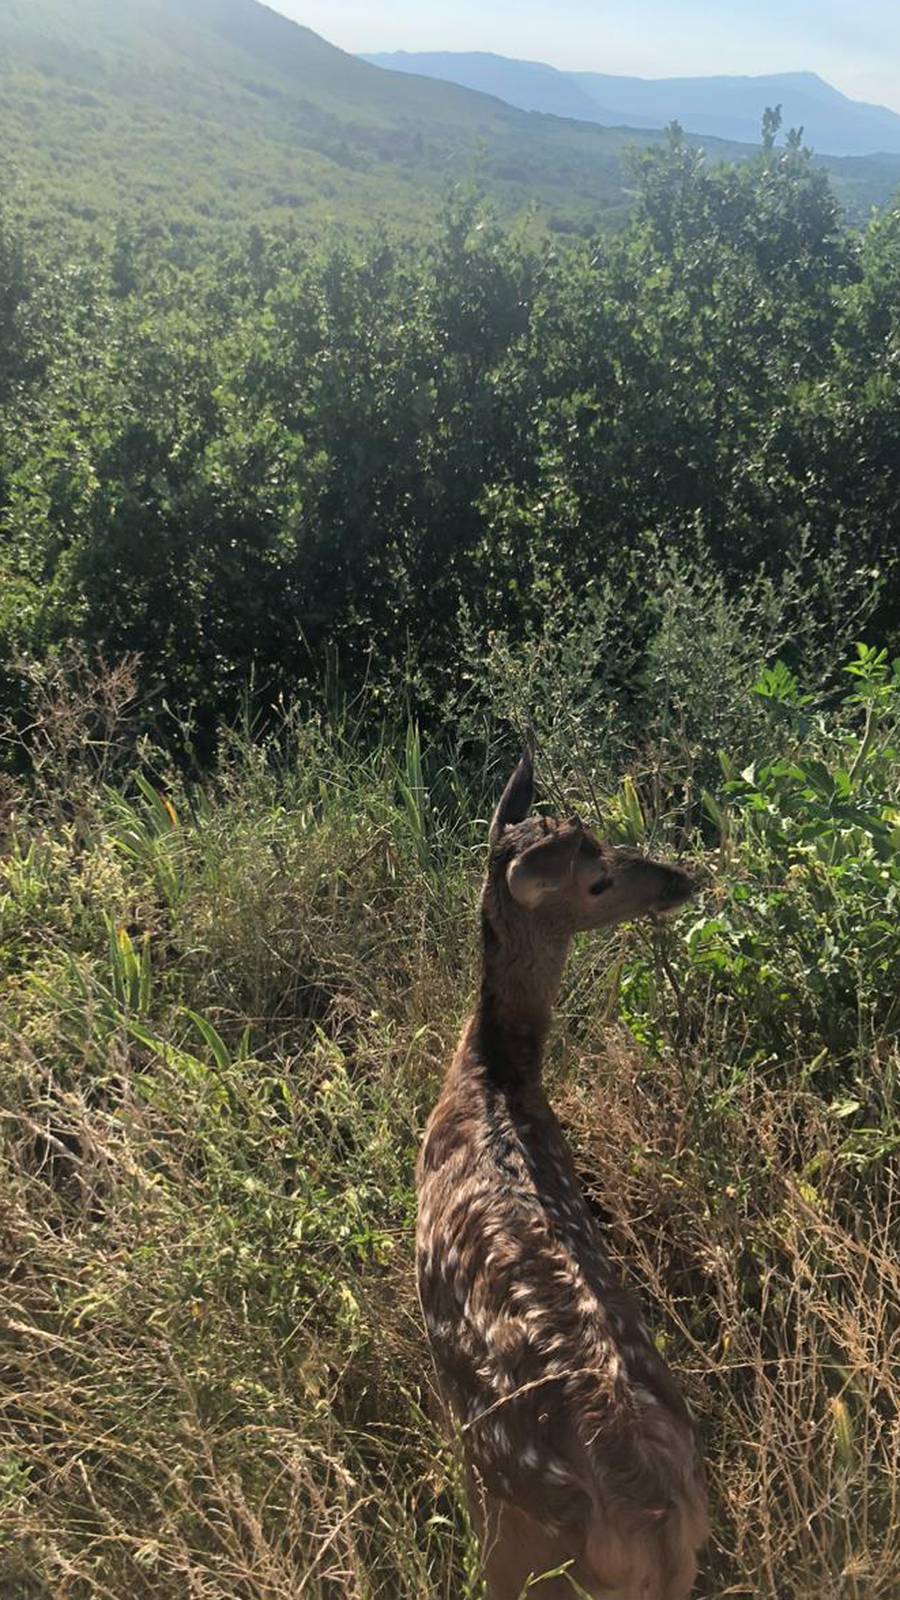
[
  {"x": 878, "y": 679},
  {"x": 782, "y": 686},
  {"x": 809, "y": 922},
  {"x": 130, "y": 970}
]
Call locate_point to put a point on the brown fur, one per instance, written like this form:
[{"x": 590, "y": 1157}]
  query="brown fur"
[{"x": 579, "y": 1447}]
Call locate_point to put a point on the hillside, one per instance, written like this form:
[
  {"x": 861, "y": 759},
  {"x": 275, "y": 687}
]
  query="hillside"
[
  {"x": 201, "y": 107},
  {"x": 202, "y": 110},
  {"x": 721, "y": 107}
]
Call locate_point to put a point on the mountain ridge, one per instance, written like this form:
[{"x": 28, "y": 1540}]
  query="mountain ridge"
[{"x": 719, "y": 106}]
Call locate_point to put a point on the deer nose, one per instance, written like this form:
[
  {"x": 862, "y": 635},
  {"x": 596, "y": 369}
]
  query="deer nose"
[{"x": 678, "y": 886}]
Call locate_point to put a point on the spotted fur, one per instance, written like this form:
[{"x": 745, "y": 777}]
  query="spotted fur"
[{"x": 578, "y": 1444}]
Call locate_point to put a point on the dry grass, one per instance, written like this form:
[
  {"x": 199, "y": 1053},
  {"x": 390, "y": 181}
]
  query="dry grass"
[
  {"x": 214, "y": 1382},
  {"x": 778, "y": 1272}
]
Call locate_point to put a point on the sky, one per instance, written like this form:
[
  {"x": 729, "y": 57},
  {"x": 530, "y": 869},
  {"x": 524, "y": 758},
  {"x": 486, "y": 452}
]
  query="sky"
[{"x": 854, "y": 44}]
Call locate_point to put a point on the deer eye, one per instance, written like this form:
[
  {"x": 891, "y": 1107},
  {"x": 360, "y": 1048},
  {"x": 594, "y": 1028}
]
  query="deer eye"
[{"x": 601, "y": 886}]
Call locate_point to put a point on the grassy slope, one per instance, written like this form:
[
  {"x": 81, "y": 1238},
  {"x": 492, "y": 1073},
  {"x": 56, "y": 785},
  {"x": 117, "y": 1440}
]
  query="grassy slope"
[
  {"x": 215, "y": 1378},
  {"x": 221, "y": 108},
  {"x": 229, "y": 107}
]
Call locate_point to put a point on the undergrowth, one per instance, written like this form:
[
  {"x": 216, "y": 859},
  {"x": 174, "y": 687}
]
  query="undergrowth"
[{"x": 226, "y": 1006}]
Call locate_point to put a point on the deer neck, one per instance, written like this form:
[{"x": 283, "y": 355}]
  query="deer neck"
[{"x": 519, "y": 985}]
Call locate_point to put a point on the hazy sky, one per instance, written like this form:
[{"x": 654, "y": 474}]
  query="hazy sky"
[{"x": 855, "y": 44}]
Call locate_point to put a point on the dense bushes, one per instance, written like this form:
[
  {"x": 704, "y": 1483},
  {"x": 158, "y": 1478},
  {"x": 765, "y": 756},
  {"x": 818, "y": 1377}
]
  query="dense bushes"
[{"x": 287, "y": 454}]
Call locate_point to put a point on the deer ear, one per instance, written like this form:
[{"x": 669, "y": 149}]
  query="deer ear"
[
  {"x": 544, "y": 869},
  {"x": 515, "y": 802}
]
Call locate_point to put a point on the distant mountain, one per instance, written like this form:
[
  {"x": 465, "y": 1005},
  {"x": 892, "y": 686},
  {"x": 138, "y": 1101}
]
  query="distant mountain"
[
  {"x": 723, "y": 108},
  {"x": 530, "y": 85}
]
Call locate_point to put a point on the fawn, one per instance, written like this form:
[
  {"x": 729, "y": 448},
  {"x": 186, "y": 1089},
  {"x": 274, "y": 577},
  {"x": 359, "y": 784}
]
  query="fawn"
[{"x": 581, "y": 1461}]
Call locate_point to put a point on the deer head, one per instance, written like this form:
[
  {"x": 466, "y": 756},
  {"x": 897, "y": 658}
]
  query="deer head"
[{"x": 563, "y": 876}]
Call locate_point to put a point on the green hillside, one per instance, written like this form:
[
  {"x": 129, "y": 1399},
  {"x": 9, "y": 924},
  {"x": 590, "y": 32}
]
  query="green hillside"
[
  {"x": 195, "y": 106},
  {"x": 200, "y": 108}
]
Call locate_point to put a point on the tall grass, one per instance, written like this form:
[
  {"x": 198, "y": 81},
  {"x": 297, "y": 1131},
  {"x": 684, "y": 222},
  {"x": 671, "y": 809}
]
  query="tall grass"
[{"x": 226, "y": 1007}]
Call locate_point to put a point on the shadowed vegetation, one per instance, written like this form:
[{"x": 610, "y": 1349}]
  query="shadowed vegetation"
[{"x": 283, "y": 455}]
